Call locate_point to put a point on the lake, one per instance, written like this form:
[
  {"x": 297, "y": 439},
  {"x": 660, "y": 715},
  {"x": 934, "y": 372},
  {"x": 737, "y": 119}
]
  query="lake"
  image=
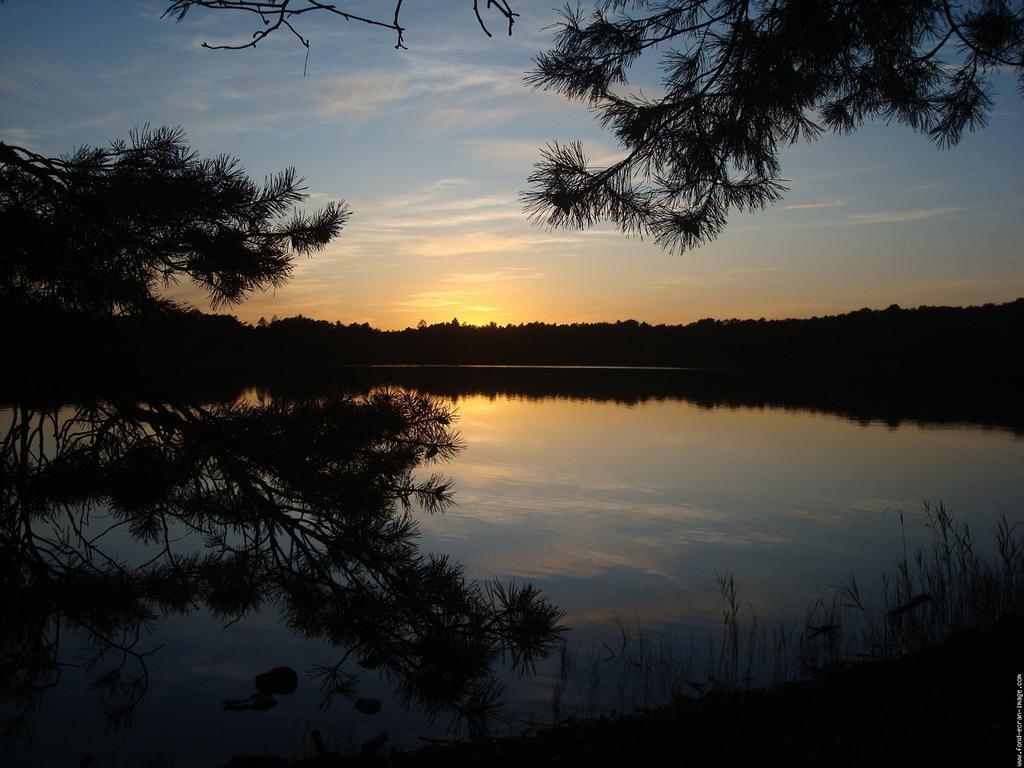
[{"x": 624, "y": 496}]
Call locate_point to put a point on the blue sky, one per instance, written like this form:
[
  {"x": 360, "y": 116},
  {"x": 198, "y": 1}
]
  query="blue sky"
[{"x": 431, "y": 147}]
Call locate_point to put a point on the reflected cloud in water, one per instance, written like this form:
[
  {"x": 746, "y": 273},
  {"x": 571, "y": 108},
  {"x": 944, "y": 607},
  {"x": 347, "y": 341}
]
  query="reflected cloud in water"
[{"x": 576, "y": 493}]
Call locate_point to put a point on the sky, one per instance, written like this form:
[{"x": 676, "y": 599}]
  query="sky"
[{"x": 432, "y": 146}]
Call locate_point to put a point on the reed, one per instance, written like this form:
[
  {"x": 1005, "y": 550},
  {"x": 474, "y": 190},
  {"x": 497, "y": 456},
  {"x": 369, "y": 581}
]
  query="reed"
[{"x": 937, "y": 590}]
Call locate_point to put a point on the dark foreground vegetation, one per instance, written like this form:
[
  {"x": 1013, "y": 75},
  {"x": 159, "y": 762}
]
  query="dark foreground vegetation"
[
  {"x": 947, "y": 705},
  {"x": 924, "y": 674},
  {"x": 950, "y": 705}
]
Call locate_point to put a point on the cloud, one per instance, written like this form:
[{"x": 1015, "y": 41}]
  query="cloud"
[
  {"x": 483, "y": 242},
  {"x": 447, "y": 218},
  {"x": 742, "y": 272},
  {"x": 517, "y": 153},
  {"x": 506, "y": 274},
  {"x": 513, "y": 153},
  {"x": 718, "y": 277},
  {"x": 448, "y": 77},
  {"x": 519, "y": 156},
  {"x": 678, "y": 281},
  {"x": 443, "y": 203},
  {"x": 446, "y": 96},
  {"x": 830, "y": 202},
  {"x": 12, "y": 86},
  {"x": 438, "y": 220},
  {"x": 895, "y": 217},
  {"x": 449, "y": 119},
  {"x": 20, "y": 136},
  {"x": 432, "y": 300},
  {"x": 363, "y": 96},
  {"x": 427, "y": 195}
]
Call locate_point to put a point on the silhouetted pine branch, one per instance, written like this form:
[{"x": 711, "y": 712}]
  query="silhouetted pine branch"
[
  {"x": 743, "y": 79},
  {"x": 105, "y": 229}
]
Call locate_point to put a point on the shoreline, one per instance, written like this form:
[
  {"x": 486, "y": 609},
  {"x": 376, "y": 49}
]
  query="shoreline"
[{"x": 948, "y": 704}]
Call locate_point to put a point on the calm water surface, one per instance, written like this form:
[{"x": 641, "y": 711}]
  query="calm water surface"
[
  {"x": 617, "y": 511},
  {"x": 632, "y": 509}
]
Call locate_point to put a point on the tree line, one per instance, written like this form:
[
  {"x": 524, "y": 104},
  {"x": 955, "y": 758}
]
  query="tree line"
[{"x": 168, "y": 346}]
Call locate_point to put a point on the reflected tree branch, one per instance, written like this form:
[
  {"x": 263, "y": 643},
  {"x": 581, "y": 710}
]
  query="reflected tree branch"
[{"x": 306, "y": 506}]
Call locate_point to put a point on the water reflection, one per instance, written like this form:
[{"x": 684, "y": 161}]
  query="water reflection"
[
  {"x": 113, "y": 516},
  {"x": 867, "y": 396},
  {"x": 621, "y": 502},
  {"x": 628, "y": 510}
]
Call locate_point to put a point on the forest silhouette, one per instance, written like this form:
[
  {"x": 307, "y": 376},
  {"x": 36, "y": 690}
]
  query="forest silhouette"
[
  {"x": 930, "y": 338},
  {"x": 919, "y": 352}
]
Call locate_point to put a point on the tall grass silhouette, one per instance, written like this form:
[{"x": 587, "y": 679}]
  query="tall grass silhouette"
[{"x": 939, "y": 589}]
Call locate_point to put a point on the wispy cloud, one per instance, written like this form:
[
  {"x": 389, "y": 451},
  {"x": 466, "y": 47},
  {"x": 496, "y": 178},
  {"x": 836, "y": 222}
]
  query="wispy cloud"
[
  {"x": 439, "y": 220},
  {"x": 430, "y": 194},
  {"x": 11, "y": 86},
  {"x": 519, "y": 153},
  {"x": 895, "y": 217},
  {"x": 446, "y": 77},
  {"x": 481, "y": 242},
  {"x": 448, "y": 219},
  {"x": 514, "y": 153},
  {"x": 830, "y": 202},
  {"x": 504, "y": 275},
  {"x": 446, "y": 96},
  {"x": 449, "y": 119},
  {"x": 432, "y": 300},
  {"x": 443, "y": 204},
  {"x": 419, "y": 223},
  {"x": 677, "y": 281},
  {"x": 363, "y": 96},
  {"x": 20, "y": 136},
  {"x": 718, "y": 277}
]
